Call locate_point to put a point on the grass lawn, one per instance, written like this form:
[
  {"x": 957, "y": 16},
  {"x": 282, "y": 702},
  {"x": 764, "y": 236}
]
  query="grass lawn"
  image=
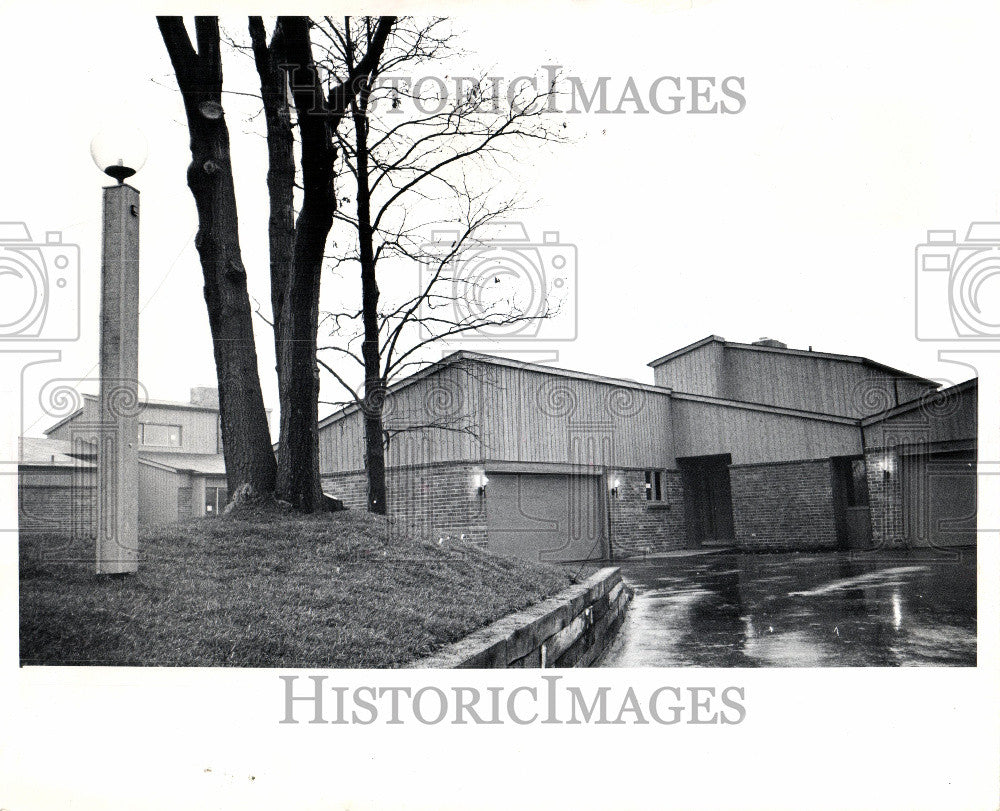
[{"x": 340, "y": 590}]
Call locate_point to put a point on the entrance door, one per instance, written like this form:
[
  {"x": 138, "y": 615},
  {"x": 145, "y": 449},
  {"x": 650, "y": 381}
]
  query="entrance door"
[
  {"x": 850, "y": 502},
  {"x": 707, "y": 499},
  {"x": 546, "y": 517}
]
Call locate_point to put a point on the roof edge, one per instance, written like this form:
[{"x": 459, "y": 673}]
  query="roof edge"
[
  {"x": 495, "y": 360},
  {"x": 685, "y": 349},
  {"x": 763, "y": 407},
  {"x": 919, "y": 402},
  {"x": 789, "y": 351},
  {"x": 63, "y": 421}
]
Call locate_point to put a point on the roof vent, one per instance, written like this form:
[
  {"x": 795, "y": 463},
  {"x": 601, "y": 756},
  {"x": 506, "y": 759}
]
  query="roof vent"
[{"x": 772, "y": 342}]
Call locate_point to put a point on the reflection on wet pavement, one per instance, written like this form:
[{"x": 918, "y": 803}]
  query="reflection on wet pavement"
[{"x": 799, "y": 610}]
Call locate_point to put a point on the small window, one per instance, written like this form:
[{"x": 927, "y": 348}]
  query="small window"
[
  {"x": 216, "y": 499},
  {"x": 654, "y": 485},
  {"x": 159, "y": 436}
]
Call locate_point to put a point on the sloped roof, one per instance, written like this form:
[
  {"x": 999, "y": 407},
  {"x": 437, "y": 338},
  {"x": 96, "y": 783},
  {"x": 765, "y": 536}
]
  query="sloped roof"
[
  {"x": 496, "y": 360},
  {"x": 210, "y": 464},
  {"x": 786, "y": 351},
  {"x": 924, "y": 402},
  {"x": 61, "y": 453},
  {"x": 54, "y": 453}
]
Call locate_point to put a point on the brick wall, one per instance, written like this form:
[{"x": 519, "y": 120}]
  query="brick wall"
[
  {"x": 430, "y": 501},
  {"x": 435, "y": 501},
  {"x": 641, "y": 527},
  {"x": 784, "y": 505},
  {"x": 185, "y": 503},
  {"x": 885, "y": 499}
]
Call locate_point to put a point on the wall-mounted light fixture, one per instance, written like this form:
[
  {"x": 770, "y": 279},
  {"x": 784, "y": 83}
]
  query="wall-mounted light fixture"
[
  {"x": 888, "y": 464},
  {"x": 481, "y": 482},
  {"x": 614, "y": 484}
]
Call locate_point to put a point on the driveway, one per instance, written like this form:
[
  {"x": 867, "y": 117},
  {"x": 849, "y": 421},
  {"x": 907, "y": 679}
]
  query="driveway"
[{"x": 799, "y": 610}]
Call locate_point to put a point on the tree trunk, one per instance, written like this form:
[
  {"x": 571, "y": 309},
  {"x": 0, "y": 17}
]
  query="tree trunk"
[
  {"x": 371, "y": 355},
  {"x": 298, "y": 372},
  {"x": 280, "y": 167},
  {"x": 246, "y": 441}
]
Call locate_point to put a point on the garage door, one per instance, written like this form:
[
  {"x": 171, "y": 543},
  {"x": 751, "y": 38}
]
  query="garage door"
[
  {"x": 546, "y": 517},
  {"x": 939, "y": 499}
]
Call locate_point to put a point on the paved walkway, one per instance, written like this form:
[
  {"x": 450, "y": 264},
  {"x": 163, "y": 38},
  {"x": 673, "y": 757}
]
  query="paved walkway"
[{"x": 829, "y": 609}]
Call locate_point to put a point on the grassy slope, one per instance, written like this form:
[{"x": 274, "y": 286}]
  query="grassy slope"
[{"x": 334, "y": 591}]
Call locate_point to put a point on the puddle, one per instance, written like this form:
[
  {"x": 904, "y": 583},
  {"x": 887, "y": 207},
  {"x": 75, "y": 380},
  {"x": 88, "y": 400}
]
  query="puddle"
[{"x": 870, "y": 579}]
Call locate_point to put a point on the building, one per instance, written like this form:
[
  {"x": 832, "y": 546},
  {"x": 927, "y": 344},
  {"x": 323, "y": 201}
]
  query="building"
[
  {"x": 753, "y": 445},
  {"x": 756, "y": 446},
  {"x": 181, "y": 469}
]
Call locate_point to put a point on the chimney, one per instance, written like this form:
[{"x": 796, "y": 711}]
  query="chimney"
[
  {"x": 205, "y": 396},
  {"x": 772, "y": 342}
]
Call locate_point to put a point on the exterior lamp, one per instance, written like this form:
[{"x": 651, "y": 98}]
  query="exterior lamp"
[
  {"x": 119, "y": 151},
  {"x": 615, "y": 484},
  {"x": 481, "y": 482},
  {"x": 887, "y": 463}
]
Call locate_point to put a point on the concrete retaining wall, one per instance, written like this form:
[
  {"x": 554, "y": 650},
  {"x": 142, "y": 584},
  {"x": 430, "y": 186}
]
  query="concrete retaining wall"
[{"x": 571, "y": 629}]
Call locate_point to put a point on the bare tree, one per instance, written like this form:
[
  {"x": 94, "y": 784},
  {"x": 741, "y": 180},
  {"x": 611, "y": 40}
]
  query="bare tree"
[
  {"x": 246, "y": 442},
  {"x": 320, "y": 97},
  {"x": 415, "y": 159}
]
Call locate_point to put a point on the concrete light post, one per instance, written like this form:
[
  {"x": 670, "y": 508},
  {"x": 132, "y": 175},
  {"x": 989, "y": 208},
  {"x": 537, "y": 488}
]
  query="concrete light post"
[{"x": 119, "y": 154}]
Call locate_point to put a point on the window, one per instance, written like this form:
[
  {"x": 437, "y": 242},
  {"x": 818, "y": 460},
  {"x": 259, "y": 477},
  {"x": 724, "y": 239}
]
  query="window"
[
  {"x": 216, "y": 499},
  {"x": 654, "y": 485},
  {"x": 161, "y": 436}
]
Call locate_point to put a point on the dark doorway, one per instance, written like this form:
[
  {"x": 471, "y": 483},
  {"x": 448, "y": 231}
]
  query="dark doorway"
[
  {"x": 850, "y": 502},
  {"x": 708, "y": 500}
]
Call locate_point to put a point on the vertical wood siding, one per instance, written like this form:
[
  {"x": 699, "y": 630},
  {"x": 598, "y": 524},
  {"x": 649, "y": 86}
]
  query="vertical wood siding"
[
  {"x": 696, "y": 372},
  {"x": 823, "y": 385},
  {"x": 947, "y": 418},
  {"x": 755, "y": 437},
  {"x": 158, "y": 495},
  {"x": 478, "y": 411},
  {"x": 818, "y": 384}
]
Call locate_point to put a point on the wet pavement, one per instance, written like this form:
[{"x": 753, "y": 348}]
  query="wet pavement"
[{"x": 799, "y": 610}]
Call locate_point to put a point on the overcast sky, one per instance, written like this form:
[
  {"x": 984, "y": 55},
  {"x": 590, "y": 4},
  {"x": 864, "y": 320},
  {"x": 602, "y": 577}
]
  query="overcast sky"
[{"x": 865, "y": 125}]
